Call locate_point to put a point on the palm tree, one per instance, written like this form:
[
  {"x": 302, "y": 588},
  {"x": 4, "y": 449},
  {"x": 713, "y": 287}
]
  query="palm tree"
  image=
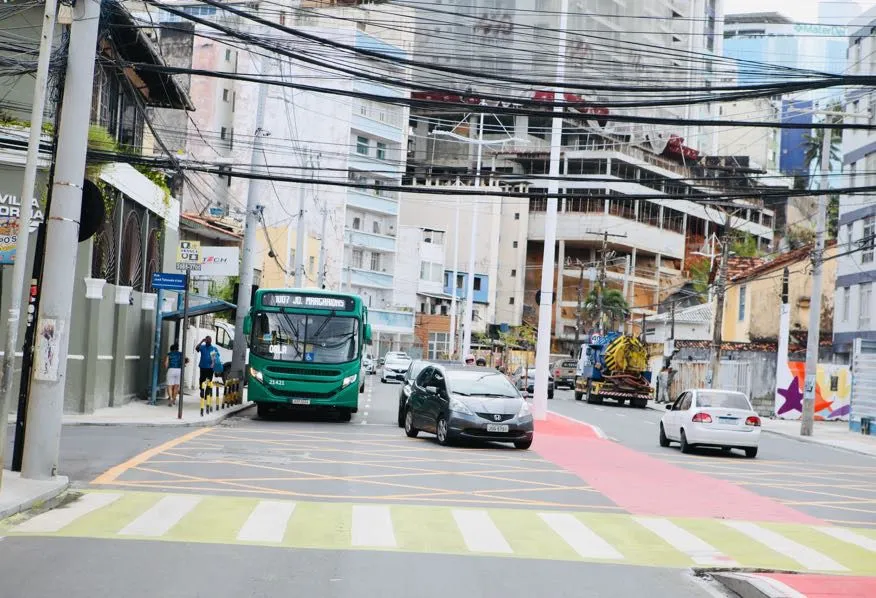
[
  {"x": 813, "y": 143},
  {"x": 614, "y": 307}
]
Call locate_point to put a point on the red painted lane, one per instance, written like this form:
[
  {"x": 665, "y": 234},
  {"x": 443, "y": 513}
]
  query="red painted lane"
[
  {"x": 828, "y": 586},
  {"x": 644, "y": 485}
]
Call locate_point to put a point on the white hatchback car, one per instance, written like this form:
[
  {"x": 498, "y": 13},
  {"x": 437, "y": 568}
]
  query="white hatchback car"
[{"x": 717, "y": 418}]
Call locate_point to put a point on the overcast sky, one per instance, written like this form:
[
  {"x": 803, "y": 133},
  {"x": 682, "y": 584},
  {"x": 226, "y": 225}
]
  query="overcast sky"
[{"x": 798, "y": 10}]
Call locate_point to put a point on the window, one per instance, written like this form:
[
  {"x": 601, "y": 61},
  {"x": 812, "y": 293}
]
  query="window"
[
  {"x": 431, "y": 271},
  {"x": 845, "y": 305},
  {"x": 459, "y": 281},
  {"x": 439, "y": 345},
  {"x": 357, "y": 223},
  {"x": 867, "y": 241},
  {"x": 477, "y": 283},
  {"x": 834, "y": 383},
  {"x": 357, "y": 258},
  {"x": 513, "y": 272},
  {"x": 514, "y": 245},
  {"x": 375, "y": 262},
  {"x": 381, "y": 151},
  {"x": 853, "y": 168},
  {"x": 231, "y": 138},
  {"x": 283, "y": 17},
  {"x": 362, "y": 146},
  {"x": 223, "y": 133},
  {"x": 227, "y": 54},
  {"x": 516, "y": 215},
  {"x": 510, "y": 300},
  {"x": 742, "y": 292},
  {"x": 375, "y": 227},
  {"x": 866, "y": 294},
  {"x": 311, "y": 264},
  {"x": 226, "y": 95}
]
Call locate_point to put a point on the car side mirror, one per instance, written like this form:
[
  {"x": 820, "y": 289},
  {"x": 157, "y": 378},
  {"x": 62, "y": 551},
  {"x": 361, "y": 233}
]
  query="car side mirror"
[
  {"x": 368, "y": 333},
  {"x": 247, "y": 325},
  {"x": 669, "y": 407},
  {"x": 432, "y": 390}
]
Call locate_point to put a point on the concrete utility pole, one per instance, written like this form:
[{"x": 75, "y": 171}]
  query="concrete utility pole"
[
  {"x": 814, "y": 333},
  {"x": 543, "y": 340},
  {"x": 580, "y": 308},
  {"x": 453, "y": 280},
  {"x": 300, "y": 232},
  {"x": 600, "y": 290},
  {"x": 247, "y": 261},
  {"x": 469, "y": 294},
  {"x": 322, "y": 251},
  {"x": 721, "y": 284},
  {"x": 24, "y": 219},
  {"x": 46, "y": 408}
]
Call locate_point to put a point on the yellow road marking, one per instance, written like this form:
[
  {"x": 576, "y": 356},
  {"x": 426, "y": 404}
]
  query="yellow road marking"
[{"x": 111, "y": 474}]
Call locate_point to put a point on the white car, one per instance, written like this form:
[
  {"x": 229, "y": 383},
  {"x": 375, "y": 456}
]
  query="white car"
[
  {"x": 715, "y": 418},
  {"x": 369, "y": 364},
  {"x": 395, "y": 366}
]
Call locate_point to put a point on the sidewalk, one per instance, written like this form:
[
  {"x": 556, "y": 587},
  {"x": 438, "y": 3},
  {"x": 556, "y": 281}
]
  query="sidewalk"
[
  {"x": 17, "y": 494},
  {"x": 789, "y": 585},
  {"x": 829, "y": 433},
  {"x": 141, "y": 413}
]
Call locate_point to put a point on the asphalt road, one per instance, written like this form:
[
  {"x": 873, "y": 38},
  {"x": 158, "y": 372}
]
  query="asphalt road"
[
  {"x": 831, "y": 484},
  {"x": 310, "y": 506}
]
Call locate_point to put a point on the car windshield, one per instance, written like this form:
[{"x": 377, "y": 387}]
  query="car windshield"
[
  {"x": 305, "y": 337},
  {"x": 727, "y": 400},
  {"x": 397, "y": 357},
  {"x": 481, "y": 383}
]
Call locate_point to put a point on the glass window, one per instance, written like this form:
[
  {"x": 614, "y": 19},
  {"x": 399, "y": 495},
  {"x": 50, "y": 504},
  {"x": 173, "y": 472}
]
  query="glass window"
[
  {"x": 685, "y": 403},
  {"x": 381, "y": 151},
  {"x": 513, "y": 272},
  {"x": 845, "y": 305},
  {"x": 357, "y": 258},
  {"x": 225, "y": 95},
  {"x": 866, "y": 293},
  {"x": 477, "y": 283},
  {"x": 375, "y": 262},
  {"x": 479, "y": 382},
  {"x": 743, "y": 291},
  {"x": 727, "y": 400},
  {"x": 510, "y": 300},
  {"x": 439, "y": 345},
  {"x": 423, "y": 377},
  {"x": 362, "y": 145},
  {"x": 357, "y": 223},
  {"x": 305, "y": 337},
  {"x": 375, "y": 227},
  {"x": 514, "y": 244},
  {"x": 867, "y": 242}
]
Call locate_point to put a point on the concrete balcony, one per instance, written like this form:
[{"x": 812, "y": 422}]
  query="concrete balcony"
[
  {"x": 358, "y": 238},
  {"x": 372, "y": 203},
  {"x": 369, "y": 278},
  {"x": 373, "y": 165},
  {"x": 574, "y": 226},
  {"x": 376, "y": 128},
  {"x": 391, "y": 321}
]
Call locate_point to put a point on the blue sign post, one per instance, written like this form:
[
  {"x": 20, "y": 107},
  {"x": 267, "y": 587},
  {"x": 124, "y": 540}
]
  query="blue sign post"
[{"x": 169, "y": 281}]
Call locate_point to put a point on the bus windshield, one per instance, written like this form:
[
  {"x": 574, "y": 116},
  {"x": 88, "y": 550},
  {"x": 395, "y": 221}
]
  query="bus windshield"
[{"x": 305, "y": 337}]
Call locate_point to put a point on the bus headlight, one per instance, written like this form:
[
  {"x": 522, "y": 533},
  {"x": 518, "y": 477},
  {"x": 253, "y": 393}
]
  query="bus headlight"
[
  {"x": 256, "y": 374},
  {"x": 349, "y": 380}
]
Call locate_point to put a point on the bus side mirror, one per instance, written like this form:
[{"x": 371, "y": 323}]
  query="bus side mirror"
[
  {"x": 247, "y": 325},
  {"x": 367, "y": 333}
]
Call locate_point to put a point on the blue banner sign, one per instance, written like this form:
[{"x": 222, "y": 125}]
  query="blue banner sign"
[{"x": 168, "y": 281}]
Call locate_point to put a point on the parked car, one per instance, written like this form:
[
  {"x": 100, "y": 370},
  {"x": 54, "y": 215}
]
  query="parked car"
[
  {"x": 413, "y": 371},
  {"x": 369, "y": 364},
  {"x": 395, "y": 365},
  {"x": 564, "y": 371},
  {"x": 468, "y": 402},
  {"x": 715, "y": 418},
  {"x": 526, "y": 383}
]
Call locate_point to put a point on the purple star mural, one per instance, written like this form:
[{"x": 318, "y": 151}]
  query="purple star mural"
[{"x": 793, "y": 398}]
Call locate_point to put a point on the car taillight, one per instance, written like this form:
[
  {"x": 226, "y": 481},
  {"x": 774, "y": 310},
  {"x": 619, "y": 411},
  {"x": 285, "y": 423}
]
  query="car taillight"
[
  {"x": 702, "y": 418},
  {"x": 557, "y": 373},
  {"x": 753, "y": 421}
]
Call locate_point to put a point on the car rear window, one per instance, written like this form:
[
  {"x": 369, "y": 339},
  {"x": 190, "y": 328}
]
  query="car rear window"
[{"x": 727, "y": 400}]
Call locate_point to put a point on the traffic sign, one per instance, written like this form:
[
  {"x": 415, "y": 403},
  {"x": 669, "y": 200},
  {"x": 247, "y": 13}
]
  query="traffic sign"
[
  {"x": 168, "y": 281},
  {"x": 188, "y": 255}
]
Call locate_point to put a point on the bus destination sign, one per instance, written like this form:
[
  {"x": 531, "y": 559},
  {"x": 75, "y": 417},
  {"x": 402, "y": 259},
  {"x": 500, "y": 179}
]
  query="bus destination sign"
[{"x": 307, "y": 301}]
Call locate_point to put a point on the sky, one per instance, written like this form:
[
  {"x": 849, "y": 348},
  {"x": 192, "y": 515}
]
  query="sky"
[{"x": 798, "y": 10}]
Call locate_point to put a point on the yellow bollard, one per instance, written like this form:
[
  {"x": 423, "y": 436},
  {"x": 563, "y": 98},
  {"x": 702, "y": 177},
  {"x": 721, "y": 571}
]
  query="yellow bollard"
[
  {"x": 203, "y": 398},
  {"x": 214, "y": 396}
]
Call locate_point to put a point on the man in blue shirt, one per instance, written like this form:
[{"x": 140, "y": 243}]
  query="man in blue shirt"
[{"x": 205, "y": 363}]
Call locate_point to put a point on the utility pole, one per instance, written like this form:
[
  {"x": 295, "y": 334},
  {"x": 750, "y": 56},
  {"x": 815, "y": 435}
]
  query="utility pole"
[
  {"x": 322, "y": 250},
  {"x": 469, "y": 303},
  {"x": 244, "y": 292},
  {"x": 543, "y": 340},
  {"x": 301, "y": 231},
  {"x": 24, "y": 219},
  {"x": 580, "y": 304},
  {"x": 40, "y": 457},
  {"x": 814, "y": 332},
  {"x": 600, "y": 289},
  {"x": 453, "y": 279},
  {"x": 721, "y": 284}
]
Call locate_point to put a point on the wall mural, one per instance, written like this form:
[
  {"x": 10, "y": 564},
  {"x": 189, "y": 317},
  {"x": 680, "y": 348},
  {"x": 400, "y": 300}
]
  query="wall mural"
[{"x": 833, "y": 391}]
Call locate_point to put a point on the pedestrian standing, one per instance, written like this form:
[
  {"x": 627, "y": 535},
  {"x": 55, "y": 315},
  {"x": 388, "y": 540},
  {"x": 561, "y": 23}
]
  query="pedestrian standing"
[
  {"x": 173, "y": 361},
  {"x": 205, "y": 363}
]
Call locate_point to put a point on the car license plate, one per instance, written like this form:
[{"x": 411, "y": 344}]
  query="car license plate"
[
  {"x": 301, "y": 401},
  {"x": 729, "y": 420},
  {"x": 497, "y": 427}
]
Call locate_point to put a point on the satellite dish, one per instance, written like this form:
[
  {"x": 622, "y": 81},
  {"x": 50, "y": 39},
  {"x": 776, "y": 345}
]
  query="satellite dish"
[{"x": 92, "y": 213}]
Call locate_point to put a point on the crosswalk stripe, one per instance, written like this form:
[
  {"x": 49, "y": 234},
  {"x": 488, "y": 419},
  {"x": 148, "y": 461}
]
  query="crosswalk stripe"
[
  {"x": 59, "y": 518},
  {"x": 699, "y": 551},
  {"x": 850, "y": 537},
  {"x": 372, "y": 526},
  {"x": 580, "y": 537},
  {"x": 809, "y": 558},
  {"x": 267, "y": 522},
  {"x": 479, "y": 532},
  {"x": 162, "y": 516}
]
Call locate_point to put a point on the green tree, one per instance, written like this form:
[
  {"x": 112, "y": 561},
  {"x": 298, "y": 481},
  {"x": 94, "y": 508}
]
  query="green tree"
[
  {"x": 745, "y": 246},
  {"x": 615, "y": 308},
  {"x": 699, "y": 274},
  {"x": 813, "y": 143}
]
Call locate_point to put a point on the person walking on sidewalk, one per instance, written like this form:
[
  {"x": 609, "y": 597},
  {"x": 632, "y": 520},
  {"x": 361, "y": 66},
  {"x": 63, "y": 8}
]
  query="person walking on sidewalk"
[
  {"x": 205, "y": 363},
  {"x": 173, "y": 361}
]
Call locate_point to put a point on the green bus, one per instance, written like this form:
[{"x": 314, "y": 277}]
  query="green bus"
[{"x": 305, "y": 351}]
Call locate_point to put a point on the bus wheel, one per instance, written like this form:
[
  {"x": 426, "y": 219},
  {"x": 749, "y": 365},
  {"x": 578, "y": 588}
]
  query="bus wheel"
[
  {"x": 263, "y": 410},
  {"x": 345, "y": 415}
]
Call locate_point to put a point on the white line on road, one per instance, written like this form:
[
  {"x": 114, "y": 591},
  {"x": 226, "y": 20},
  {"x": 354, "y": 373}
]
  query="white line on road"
[
  {"x": 479, "y": 532},
  {"x": 849, "y": 536},
  {"x": 581, "y": 538},
  {"x": 699, "y": 551},
  {"x": 600, "y": 408},
  {"x": 621, "y": 414},
  {"x": 372, "y": 526},
  {"x": 162, "y": 516},
  {"x": 59, "y": 518},
  {"x": 809, "y": 558},
  {"x": 267, "y": 522}
]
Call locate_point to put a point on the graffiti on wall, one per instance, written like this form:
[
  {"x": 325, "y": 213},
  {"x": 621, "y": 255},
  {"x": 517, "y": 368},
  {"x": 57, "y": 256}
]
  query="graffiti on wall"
[{"x": 833, "y": 391}]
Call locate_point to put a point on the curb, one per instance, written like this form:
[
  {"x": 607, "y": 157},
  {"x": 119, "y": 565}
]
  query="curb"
[
  {"x": 751, "y": 585},
  {"x": 48, "y": 496},
  {"x": 175, "y": 423},
  {"x": 596, "y": 429}
]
